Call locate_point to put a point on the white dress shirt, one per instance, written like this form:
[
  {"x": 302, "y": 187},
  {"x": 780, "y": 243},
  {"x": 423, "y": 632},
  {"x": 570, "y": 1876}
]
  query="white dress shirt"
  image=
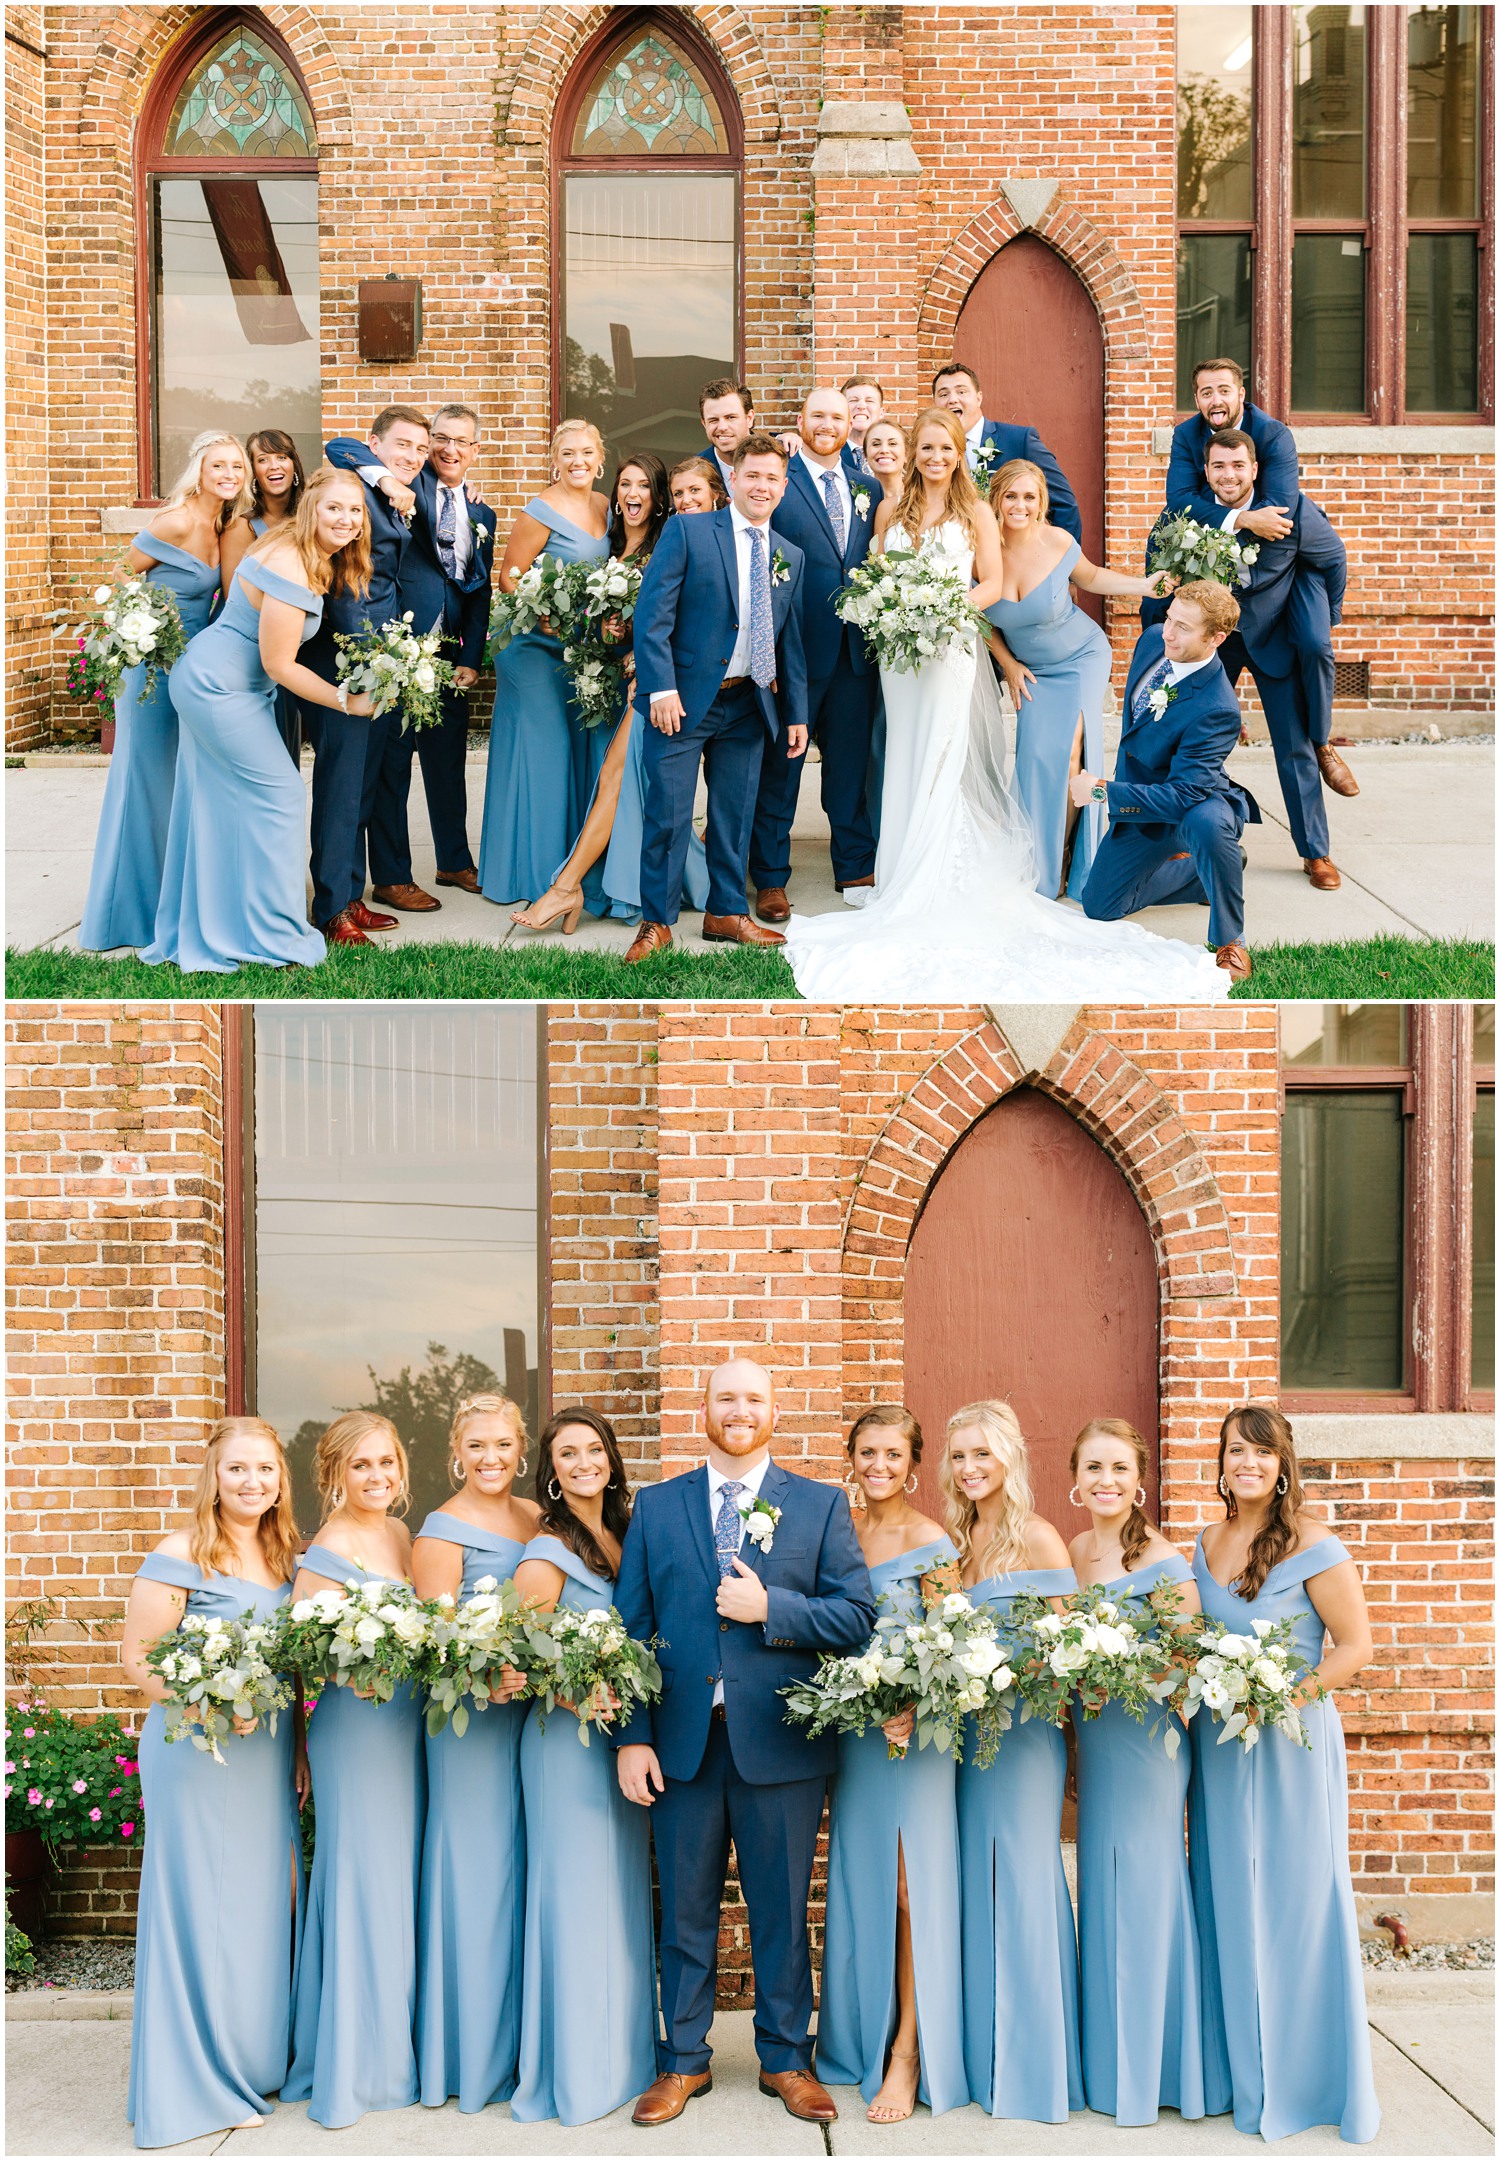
[
  {"x": 1182, "y": 669},
  {"x": 750, "y": 1478},
  {"x": 818, "y": 474},
  {"x": 974, "y": 439},
  {"x": 1231, "y": 517},
  {"x": 726, "y": 473}
]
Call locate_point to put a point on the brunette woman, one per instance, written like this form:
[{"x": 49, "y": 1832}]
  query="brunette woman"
[
  {"x": 276, "y": 484},
  {"x": 885, "y": 454}
]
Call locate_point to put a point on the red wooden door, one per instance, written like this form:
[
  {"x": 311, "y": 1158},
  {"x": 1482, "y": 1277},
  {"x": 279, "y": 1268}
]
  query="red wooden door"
[
  {"x": 1030, "y": 329},
  {"x": 1031, "y": 1276}
]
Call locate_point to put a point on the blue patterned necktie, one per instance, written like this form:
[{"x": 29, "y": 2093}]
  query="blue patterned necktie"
[
  {"x": 447, "y": 534},
  {"x": 762, "y": 629},
  {"x": 835, "y": 509},
  {"x": 727, "y": 1526},
  {"x": 1153, "y": 681}
]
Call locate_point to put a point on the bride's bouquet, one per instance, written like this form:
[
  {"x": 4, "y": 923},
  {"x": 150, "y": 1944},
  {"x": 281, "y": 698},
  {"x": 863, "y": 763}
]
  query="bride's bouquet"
[
  {"x": 1245, "y": 1682},
  {"x": 466, "y": 1648},
  {"x": 1096, "y": 1651},
  {"x": 945, "y": 1667},
  {"x": 585, "y": 1661},
  {"x": 1180, "y": 545},
  {"x": 910, "y": 605},
  {"x": 397, "y": 666},
  {"x": 371, "y": 1638},
  {"x": 134, "y": 624},
  {"x": 216, "y": 1671}
]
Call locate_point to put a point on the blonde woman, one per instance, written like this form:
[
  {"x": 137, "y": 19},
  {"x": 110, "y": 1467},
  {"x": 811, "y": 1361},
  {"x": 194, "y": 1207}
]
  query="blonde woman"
[
  {"x": 474, "y": 1846},
  {"x": 543, "y": 761},
  {"x": 1020, "y": 1955},
  {"x": 178, "y": 549},
  {"x": 234, "y": 884},
  {"x": 220, "y": 1897},
  {"x": 357, "y": 1984}
]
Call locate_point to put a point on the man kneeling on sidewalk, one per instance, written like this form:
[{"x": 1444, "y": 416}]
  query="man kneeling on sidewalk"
[{"x": 1175, "y": 816}]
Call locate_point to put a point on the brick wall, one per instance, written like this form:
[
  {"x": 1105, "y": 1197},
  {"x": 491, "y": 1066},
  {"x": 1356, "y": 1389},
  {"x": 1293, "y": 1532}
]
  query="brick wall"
[{"x": 29, "y": 644}]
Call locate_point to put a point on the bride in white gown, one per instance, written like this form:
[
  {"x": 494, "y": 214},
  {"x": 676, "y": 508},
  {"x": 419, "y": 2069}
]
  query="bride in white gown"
[{"x": 954, "y": 912}]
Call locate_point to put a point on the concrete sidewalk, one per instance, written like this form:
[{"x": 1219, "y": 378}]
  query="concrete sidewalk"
[
  {"x": 1416, "y": 849},
  {"x": 1432, "y": 2033}
]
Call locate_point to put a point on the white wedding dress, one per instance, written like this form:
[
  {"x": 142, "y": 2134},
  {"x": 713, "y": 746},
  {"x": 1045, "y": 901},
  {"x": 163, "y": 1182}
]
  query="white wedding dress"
[{"x": 954, "y": 913}]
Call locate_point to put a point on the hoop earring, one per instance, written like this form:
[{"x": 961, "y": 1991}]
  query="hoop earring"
[
  {"x": 521, "y": 1468},
  {"x": 455, "y": 1472},
  {"x": 1282, "y": 1483},
  {"x": 554, "y": 1490},
  {"x": 1223, "y": 1489},
  {"x": 911, "y": 1484},
  {"x": 1073, "y": 1496},
  {"x": 1140, "y": 1496}
]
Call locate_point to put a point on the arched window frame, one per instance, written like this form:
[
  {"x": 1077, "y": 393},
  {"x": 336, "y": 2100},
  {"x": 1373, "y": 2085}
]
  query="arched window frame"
[
  {"x": 618, "y": 33},
  {"x": 209, "y": 28}
]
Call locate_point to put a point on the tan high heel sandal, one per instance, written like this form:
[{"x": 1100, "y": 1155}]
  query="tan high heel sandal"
[
  {"x": 886, "y": 2116},
  {"x": 567, "y": 907}
]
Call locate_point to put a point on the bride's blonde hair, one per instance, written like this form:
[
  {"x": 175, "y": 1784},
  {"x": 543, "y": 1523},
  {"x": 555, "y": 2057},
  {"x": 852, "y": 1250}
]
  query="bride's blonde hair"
[{"x": 963, "y": 496}]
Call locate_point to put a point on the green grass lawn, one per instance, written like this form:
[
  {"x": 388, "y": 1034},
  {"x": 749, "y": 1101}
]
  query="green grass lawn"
[{"x": 1368, "y": 969}]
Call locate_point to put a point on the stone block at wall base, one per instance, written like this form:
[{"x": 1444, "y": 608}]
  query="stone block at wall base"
[{"x": 1430, "y": 1916}]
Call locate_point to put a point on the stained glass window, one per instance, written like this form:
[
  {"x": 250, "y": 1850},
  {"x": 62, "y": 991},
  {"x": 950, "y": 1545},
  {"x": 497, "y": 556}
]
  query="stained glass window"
[
  {"x": 241, "y": 101},
  {"x": 649, "y": 100}
]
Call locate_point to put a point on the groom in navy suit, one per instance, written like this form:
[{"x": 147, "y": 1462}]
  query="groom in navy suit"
[
  {"x": 747, "y": 1573},
  {"x": 996, "y": 442},
  {"x": 718, "y": 658},
  {"x": 829, "y": 511}
]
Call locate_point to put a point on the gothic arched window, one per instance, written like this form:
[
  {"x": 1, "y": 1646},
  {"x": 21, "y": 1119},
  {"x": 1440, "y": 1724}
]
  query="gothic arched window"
[
  {"x": 647, "y": 155},
  {"x": 227, "y": 201}
]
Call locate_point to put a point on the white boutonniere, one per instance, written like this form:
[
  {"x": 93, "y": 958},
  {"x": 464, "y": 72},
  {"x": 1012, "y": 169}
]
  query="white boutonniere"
[
  {"x": 1160, "y": 699},
  {"x": 781, "y": 569},
  {"x": 482, "y": 536},
  {"x": 986, "y": 458},
  {"x": 760, "y": 1520},
  {"x": 861, "y": 502}
]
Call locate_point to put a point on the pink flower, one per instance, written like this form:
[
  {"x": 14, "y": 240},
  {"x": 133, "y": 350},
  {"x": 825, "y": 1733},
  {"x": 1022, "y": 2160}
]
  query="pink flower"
[
  {"x": 79, "y": 1786},
  {"x": 95, "y": 1814},
  {"x": 34, "y": 1798},
  {"x": 48, "y": 1802},
  {"x": 28, "y": 1733},
  {"x": 22, "y": 1704},
  {"x": 122, "y": 1759},
  {"x": 8, "y": 1769},
  {"x": 7, "y": 1793},
  {"x": 126, "y": 1829},
  {"x": 114, "y": 1790}
]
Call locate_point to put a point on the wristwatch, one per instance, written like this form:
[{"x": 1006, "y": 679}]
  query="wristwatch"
[{"x": 1099, "y": 793}]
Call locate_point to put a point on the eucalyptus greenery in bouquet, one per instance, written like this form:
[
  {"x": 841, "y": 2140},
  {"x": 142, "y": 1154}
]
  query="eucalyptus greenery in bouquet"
[
  {"x": 545, "y": 597},
  {"x": 909, "y": 605},
  {"x": 1098, "y": 1650},
  {"x": 397, "y": 666},
  {"x": 585, "y": 1661},
  {"x": 371, "y": 1637},
  {"x": 1186, "y": 549},
  {"x": 944, "y": 1666},
  {"x": 467, "y": 1647},
  {"x": 216, "y": 1671}
]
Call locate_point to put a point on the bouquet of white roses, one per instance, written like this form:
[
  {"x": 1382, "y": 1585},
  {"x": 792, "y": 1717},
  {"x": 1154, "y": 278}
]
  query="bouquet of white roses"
[
  {"x": 944, "y": 1667},
  {"x": 546, "y": 596},
  {"x": 467, "y": 1645},
  {"x": 603, "y": 594},
  {"x": 135, "y": 624},
  {"x": 371, "y": 1637},
  {"x": 910, "y": 605},
  {"x": 215, "y": 1672},
  {"x": 1096, "y": 1650},
  {"x": 397, "y": 666},
  {"x": 1181, "y": 545},
  {"x": 585, "y": 1661},
  {"x": 1246, "y": 1682}
]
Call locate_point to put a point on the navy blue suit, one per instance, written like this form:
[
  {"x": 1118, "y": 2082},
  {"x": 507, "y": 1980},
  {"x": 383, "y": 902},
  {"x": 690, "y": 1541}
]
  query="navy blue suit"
[
  {"x": 843, "y": 689},
  {"x": 747, "y": 1775},
  {"x": 1014, "y": 440},
  {"x": 686, "y": 624},
  {"x": 1171, "y": 796},
  {"x": 347, "y": 753},
  {"x": 1277, "y": 481}
]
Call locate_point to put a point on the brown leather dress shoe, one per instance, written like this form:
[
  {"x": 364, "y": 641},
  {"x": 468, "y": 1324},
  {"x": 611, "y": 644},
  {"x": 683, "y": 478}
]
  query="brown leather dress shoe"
[
  {"x": 800, "y": 2095},
  {"x": 366, "y": 919},
  {"x": 1236, "y": 960},
  {"x": 1335, "y": 772},
  {"x": 650, "y": 938},
  {"x": 670, "y": 2094},
  {"x": 466, "y": 880},
  {"x": 1322, "y": 872},
  {"x": 850, "y": 883},
  {"x": 772, "y": 905},
  {"x": 343, "y": 930},
  {"x": 411, "y": 898},
  {"x": 738, "y": 930}
]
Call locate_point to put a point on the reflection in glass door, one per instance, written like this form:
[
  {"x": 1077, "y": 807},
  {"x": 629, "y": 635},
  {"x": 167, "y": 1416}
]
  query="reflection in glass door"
[{"x": 396, "y": 1222}]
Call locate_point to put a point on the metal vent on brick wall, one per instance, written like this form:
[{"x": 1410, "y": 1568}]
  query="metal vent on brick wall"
[{"x": 1351, "y": 679}]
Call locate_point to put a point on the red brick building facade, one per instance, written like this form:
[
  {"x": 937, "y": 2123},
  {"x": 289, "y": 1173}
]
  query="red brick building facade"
[{"x": 903, "y": 179}]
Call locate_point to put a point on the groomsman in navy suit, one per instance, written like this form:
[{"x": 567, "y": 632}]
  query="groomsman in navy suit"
[
  {"x": 866, "y": 404},
  {"x": 445, "y": 579},
  {"x": 747, "y": 1573},
  {"x": 956, "y": 387},
  {"x": 718, "y": 657},
  {"x": 829, "y": 511},
  {"x": 727, "y": 411},
  {"x": 347, "y": 753},
  {"x": 1175, "y": 816}
]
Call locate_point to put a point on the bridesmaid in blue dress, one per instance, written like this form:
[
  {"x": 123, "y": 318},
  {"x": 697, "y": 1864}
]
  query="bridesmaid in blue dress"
[
  {"x": 472, "y": 1909},
  {"x": 276, "y": 484},
  {"x": 890, "y": 2019},
  {"x": 1137, "y": 1938},
  {"x": 234, "y": 884},
  {"x": 356, "y": 1999},
  {"x": 178, "y": 548},
  {"x": 221, "y": 1875},
  {"x": 1268, "y": 1831},
  {"x": 1056, "y": 661},
  {"x": 1020, "y": 1955},
  {"x": 588, "y": 1999},
  {"x": 543, "y": 761}
]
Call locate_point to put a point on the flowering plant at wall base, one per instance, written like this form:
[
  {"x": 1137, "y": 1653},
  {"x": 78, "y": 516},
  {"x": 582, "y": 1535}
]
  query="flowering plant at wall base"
[
  {"x": 371, "y": 1638},
  {"x": 86, "y": 680},
  {"x": 1246, "y": 1682},
  {"x": 135, "y": 624},
  {"x": 397, "y": 666},
  {"x": 945, "y": 1668},
  {"x": 75, "y": 1780},
  {"x": 1186, "y": 549},
  {"x": 586, "y": 1662},
  {"x": 910, "y": 605},
  {"x": 215, "y": 1672},
  {"x": 1096, "y": 1651},
  {"x": 466, "y": 1650}
]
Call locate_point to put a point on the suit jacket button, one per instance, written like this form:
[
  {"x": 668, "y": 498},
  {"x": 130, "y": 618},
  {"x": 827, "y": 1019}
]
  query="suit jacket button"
[{"x": 723, "y": 1628}]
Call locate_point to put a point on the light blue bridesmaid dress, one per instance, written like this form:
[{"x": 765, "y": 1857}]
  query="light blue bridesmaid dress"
[
  {"x": 234, "y": 883},
  {"x": 619, "y": 889},
  {"x": 1070, "y": 656},
  {"x": 543, "y": 762},
  {"x": 1284, "y": 2021},
  {"x": 356, "y": 1997},
  {"x": 588, "y": 1990},
  {"x": 288, "y": 711},
  {"x": 1020, "y": 1955},
  {"x": 878, "y": 1807},
  {"x": 216, "y": 1929},
  {"x": 131, "y": 843},
  {"x": 1137, "y": 1938},
  {"x": 472, "y": 1913}
]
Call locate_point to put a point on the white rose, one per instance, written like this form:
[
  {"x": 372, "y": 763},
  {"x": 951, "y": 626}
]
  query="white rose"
[
  {"x": 1113, "y": 1642},
  {"x": 1270, "y": 1675},
  {"x": 1067, "y": 1658},
  {"x": 944, "y": 1639},
  {"x": 103, "y": 593},
  {"x": 424, "y": 677},
  {"x": 1050, "y": 1624},
  {"x": 1238, "y": 1647},
  {"x": 980, "y": 1658},
  {"x": 409, "y": 1625},
  {"x": 954, "y": 1604},
  {"x": 368, "y": 1632},
  {"x": 1001, "y": 1679},
  {"x": 891, "y": 1669}
]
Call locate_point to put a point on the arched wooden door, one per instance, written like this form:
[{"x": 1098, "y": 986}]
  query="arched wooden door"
[
  {"x": 1031, "y": 1275},
  {"x": 1031, "y": 330}
]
